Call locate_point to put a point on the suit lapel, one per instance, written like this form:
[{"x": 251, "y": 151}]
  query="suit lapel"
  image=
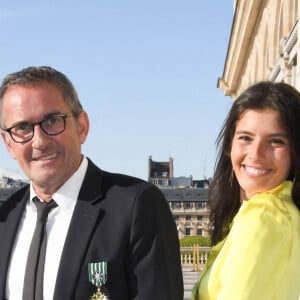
[
  {"x": 86, "y": 216},
  {"x": 10, "y": 215}
]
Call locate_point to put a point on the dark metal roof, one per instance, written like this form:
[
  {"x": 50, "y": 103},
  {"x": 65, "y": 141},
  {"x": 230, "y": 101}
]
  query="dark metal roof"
[{"x": 186, "y": 195}]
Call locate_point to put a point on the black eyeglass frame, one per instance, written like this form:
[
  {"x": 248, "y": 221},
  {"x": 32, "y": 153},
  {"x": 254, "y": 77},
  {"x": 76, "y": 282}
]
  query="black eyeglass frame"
[{"x": 40, "y": 123}]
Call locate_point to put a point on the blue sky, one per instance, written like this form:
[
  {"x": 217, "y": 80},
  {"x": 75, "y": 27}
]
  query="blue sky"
[{"x": 146, "y": 71}]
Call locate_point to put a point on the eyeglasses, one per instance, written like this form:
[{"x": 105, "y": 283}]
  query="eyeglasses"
[{"x": 52, "y": 125}]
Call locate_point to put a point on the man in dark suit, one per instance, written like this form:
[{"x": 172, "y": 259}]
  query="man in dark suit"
[{"x": 107, "y": 231}]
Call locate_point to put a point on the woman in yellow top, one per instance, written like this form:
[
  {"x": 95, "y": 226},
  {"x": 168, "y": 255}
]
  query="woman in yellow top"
[{"x": 255, "y": 200}]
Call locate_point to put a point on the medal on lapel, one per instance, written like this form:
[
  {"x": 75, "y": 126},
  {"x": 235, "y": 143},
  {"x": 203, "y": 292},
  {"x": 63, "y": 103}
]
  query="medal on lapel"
[{"x": 98, "y": 277}]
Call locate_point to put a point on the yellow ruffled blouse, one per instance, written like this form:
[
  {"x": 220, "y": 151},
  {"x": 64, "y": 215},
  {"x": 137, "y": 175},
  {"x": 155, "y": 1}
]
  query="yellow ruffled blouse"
[{"x": 260, "y": 257}]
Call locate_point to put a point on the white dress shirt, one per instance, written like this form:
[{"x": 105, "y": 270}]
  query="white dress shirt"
[{"x": 57, "y": 227}]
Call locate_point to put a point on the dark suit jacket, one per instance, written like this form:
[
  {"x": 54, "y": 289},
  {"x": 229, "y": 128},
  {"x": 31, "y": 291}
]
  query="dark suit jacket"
[{"x": 118, "y": 219}]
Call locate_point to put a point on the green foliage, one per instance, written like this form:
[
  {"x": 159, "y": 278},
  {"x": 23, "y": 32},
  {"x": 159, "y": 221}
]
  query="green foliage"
[{"x": 190, "y": 241}]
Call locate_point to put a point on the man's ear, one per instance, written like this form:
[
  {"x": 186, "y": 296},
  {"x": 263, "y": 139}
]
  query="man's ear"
[
  {"x": 7, "y": 142},
  {"x": 84, "y": 125}
]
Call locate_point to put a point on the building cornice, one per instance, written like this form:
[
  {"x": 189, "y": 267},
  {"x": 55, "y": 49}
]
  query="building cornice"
[{"x": 239, "y": 43}]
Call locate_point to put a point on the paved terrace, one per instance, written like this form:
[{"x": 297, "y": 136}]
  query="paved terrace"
[{"x": 189, "y": 280}]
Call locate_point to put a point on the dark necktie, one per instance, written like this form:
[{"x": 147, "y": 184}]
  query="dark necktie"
[{"x": 34, "y": 272}]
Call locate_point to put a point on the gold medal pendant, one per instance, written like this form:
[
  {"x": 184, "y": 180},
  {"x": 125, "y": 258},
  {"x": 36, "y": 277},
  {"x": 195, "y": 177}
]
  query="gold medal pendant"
[{"x": 98, "y": 295}]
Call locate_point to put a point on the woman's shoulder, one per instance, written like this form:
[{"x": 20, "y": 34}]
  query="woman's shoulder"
[{"x": 276, "y": 201}]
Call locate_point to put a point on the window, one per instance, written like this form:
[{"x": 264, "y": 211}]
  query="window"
[
  {"x": 199, "y": 231},
  {"x": 176, "y": 205},
  {"x": 188, "y": 231},
  {"x": 188, "y": 218},
  {"x": 176, "y": 217},
  {"x": 188, "y": 205},
  {"x": 200, "y": 204},
  {"x": 199, "y": 218}
]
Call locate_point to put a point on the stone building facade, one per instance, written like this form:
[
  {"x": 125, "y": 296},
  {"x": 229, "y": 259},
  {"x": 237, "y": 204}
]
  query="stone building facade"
[
  {"x": 189, "y": 208},
  {"x": 263, "y": 45},
  {"x": 187, "y": 198}
]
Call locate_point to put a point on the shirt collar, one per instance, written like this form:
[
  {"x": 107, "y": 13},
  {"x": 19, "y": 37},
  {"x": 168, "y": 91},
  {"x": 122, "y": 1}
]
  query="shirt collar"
[{"x": 67, "y": 194}]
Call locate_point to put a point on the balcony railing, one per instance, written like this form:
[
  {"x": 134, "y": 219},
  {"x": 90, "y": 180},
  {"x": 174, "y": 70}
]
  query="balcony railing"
[
  {"x": 194, "y": 258},
  {"x": 197, "y": 210}
]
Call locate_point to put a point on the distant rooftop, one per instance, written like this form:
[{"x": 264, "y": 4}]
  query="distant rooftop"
[
  {"x": 12, "y": 175},
  {"x": 186, "y": 195}
]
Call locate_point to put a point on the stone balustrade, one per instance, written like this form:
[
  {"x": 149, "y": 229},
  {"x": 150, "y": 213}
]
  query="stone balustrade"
[{"x": 194, "y": 258}]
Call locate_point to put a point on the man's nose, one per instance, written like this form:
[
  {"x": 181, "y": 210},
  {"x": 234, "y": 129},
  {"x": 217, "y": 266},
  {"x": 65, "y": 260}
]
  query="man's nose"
[{"x": 39, "y": 136}]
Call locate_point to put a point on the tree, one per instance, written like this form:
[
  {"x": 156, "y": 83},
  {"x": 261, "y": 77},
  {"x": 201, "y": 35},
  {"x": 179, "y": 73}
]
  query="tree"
[{"x": 190, "y": 241}]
